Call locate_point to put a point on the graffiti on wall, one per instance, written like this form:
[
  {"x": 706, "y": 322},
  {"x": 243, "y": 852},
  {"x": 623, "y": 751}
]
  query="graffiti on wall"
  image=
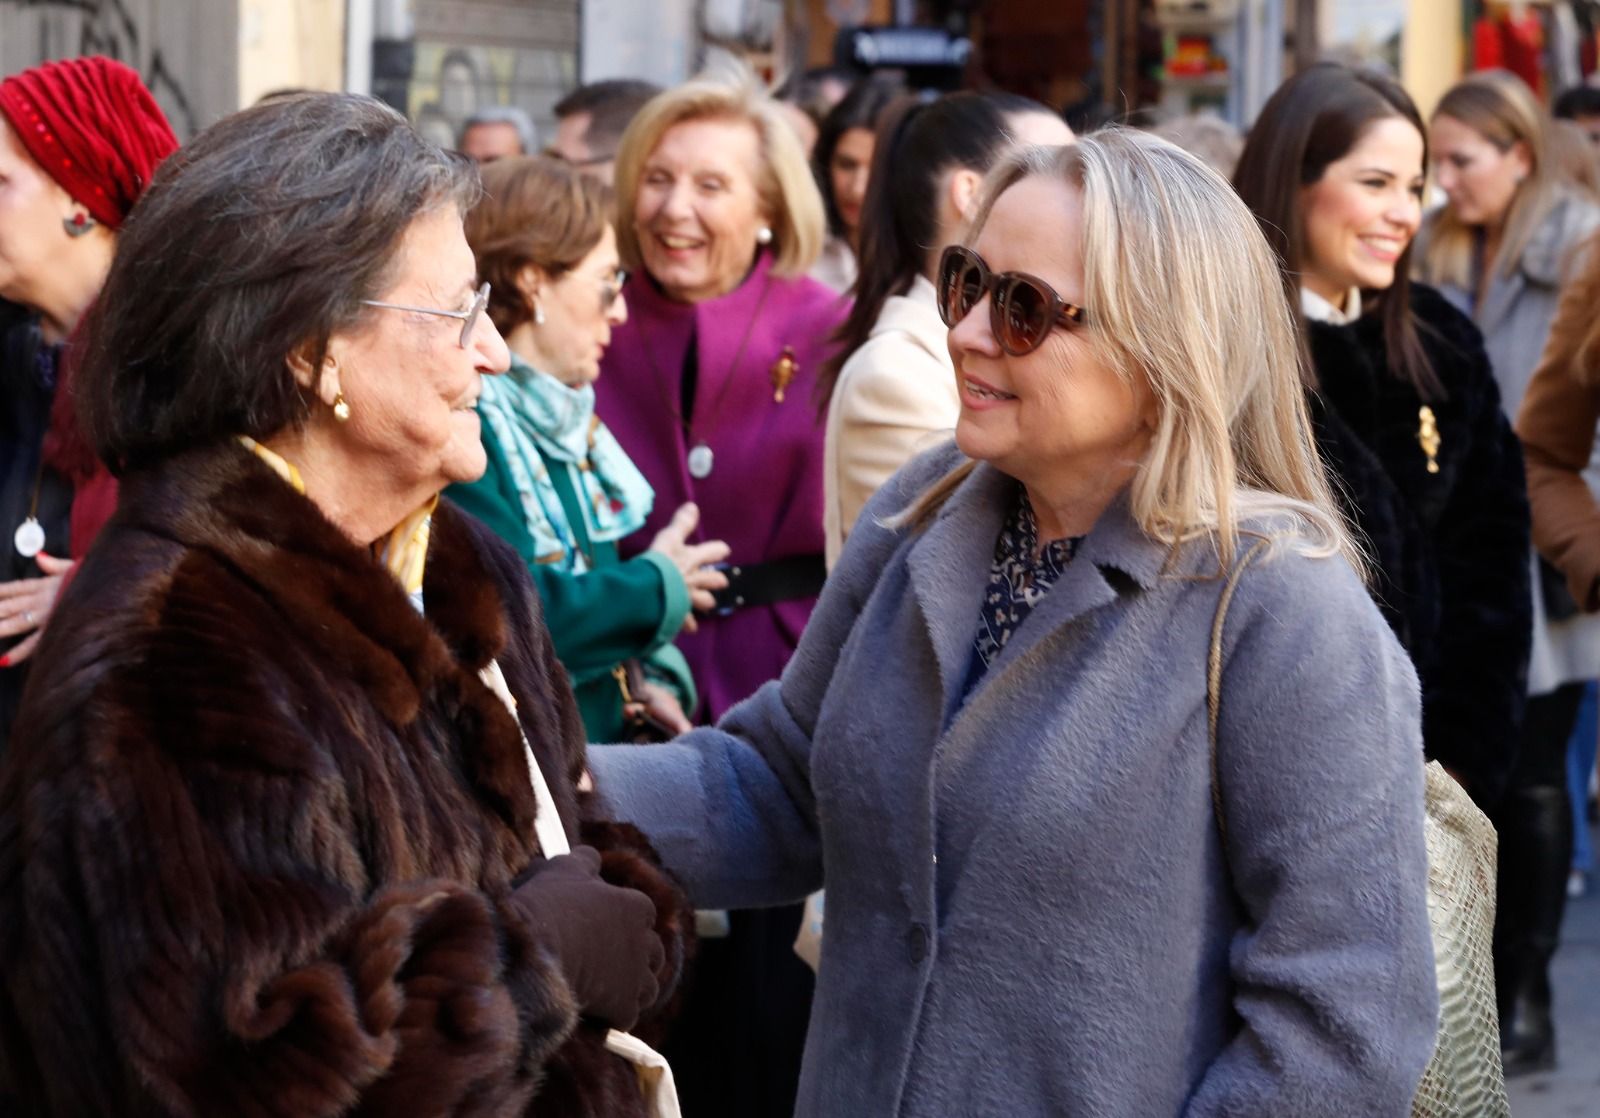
[{"x": 110, "y": 28}]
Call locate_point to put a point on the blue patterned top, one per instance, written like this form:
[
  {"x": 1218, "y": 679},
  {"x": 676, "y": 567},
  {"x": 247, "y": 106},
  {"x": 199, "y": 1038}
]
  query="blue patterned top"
[{"x": 1020, "y": 576}]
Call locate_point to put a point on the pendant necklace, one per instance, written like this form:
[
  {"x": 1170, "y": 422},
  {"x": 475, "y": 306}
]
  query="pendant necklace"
[
  {"x": 29, "y": 536},
  {"x": 701, "y": 459}
]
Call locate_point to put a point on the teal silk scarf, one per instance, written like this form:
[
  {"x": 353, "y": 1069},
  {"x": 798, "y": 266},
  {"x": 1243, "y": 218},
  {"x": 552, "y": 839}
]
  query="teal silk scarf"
[{"x": 543, "y": 424}]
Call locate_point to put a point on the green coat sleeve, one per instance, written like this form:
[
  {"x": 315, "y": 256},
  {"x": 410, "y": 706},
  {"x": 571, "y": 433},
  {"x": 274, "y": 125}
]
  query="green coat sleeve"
[{"x": 596, "y": 619}]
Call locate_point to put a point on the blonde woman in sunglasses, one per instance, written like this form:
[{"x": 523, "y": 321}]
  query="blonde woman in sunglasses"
[{"x": 1052, "y": 887}]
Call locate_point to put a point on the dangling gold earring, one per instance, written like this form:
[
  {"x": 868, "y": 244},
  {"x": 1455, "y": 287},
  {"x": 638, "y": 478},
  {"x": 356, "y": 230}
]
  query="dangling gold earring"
[{"x": 341, "y": 410}]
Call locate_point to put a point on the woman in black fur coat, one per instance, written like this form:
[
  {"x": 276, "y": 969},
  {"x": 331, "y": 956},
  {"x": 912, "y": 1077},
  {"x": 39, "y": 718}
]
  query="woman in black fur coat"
[
  {"x": 1406, "y": 410},
  {"x": 269, "y": 832}
]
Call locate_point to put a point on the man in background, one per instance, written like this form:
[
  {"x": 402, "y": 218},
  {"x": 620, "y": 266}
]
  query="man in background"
[
  {"x": 496, "y": 131},
  {"x": 591, "y": 119}
]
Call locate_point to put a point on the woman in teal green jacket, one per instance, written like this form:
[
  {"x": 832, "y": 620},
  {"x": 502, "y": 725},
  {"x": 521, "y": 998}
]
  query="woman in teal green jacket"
[{"x": 558, "y": 488}]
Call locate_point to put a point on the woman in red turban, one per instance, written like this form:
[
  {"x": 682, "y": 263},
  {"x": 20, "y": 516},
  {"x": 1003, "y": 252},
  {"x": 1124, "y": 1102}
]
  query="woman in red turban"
[{"x": 79, "y": 139}]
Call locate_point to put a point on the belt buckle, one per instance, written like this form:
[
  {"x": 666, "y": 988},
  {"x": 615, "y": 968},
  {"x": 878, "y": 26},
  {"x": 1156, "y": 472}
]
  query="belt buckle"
[{"x": 729, "y": 601}]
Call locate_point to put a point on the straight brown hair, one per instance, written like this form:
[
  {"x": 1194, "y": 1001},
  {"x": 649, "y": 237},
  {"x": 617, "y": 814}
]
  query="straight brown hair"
[
  {"x": 535, "y": 211},
  {"x": 1313, "y": 120}
]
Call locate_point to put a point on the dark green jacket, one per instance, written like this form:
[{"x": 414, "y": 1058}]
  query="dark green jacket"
[{"x": 616, "y": 610}]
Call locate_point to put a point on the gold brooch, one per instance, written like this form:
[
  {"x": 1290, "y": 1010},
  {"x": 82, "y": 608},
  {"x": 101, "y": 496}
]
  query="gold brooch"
[
  {"x": 783, "y": 372},
  {"x": 1428, "y": 437}
]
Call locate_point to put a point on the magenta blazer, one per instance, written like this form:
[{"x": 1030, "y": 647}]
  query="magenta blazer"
[{"x": 764, "y": 492}]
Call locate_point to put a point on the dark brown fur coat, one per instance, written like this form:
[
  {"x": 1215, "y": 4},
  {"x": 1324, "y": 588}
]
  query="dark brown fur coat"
[{"x": 260, "y": 818}]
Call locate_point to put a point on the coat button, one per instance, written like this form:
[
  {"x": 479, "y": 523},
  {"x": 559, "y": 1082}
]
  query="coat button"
[{"x": 917, "y": 944}]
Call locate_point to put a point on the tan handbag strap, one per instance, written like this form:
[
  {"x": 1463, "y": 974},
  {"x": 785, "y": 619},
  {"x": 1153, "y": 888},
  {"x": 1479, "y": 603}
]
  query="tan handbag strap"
[{"x": 1214, "y": 679}]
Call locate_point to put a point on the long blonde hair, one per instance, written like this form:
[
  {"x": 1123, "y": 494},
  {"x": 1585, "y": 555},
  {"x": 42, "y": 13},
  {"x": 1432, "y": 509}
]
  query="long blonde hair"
[
  {"x": 1183, "y": 291},
  {"x": 1501, "y": 108},
  {"x": 783, "y": 179}
]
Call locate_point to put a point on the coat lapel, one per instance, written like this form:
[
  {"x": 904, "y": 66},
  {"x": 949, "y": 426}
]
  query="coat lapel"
[
  {"x": 948, "y": 568},
  {"x": 1115, "y": 558}
]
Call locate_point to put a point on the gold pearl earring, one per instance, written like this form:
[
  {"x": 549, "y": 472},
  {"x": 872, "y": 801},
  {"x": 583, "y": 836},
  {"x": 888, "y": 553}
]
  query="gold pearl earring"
[{"x": 341, "y": 410}]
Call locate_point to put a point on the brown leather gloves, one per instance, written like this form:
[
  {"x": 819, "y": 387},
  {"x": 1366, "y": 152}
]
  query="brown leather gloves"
[{"x": 602, "y": 935}]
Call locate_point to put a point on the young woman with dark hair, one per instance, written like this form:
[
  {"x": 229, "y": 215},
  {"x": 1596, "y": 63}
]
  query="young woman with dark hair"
[
  {"x": 1406, "y": 409},
  {"x": 892, "y": 383},
  {"x": 842, "y": 162}
]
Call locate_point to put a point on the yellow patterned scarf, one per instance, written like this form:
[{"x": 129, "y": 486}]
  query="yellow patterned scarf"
[{"x": 405, "y": 552}]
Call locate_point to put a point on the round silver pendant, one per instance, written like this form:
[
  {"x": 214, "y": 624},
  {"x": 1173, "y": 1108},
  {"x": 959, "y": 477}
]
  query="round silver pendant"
[
  {"x": 29, "y": 538},
  {"x": 700, "y": 461}
]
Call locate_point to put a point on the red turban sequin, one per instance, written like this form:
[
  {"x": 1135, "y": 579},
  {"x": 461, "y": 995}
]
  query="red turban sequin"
[{"x": 93, "y": 127}]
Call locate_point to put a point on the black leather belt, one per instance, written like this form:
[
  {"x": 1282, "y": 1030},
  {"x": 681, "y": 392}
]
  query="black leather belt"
[{"x": 762, "y": 584}]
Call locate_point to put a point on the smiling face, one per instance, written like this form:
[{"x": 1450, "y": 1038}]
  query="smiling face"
[
  {"x": 1362, "y": 213},
  {"x": 410, "y": 385},
  {"x": 1480, "y": 180},
  {"x": 697, "y": 210},
  {"x": 848, "y": 172},
  {"x": 580, "y": 309},
  {"x": 1056, "y": 416}
]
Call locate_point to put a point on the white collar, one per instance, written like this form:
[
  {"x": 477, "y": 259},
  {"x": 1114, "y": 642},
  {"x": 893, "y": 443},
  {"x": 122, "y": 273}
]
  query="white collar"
[{"x": 1315, "y": 307}]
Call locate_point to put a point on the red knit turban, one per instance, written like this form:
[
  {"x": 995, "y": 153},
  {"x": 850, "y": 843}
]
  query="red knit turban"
[{"x": 93, "y": 127}]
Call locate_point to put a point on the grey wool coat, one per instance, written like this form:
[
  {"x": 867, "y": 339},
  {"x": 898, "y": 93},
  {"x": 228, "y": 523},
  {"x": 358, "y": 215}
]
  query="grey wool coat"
[{"x": 1029, "y": 906}]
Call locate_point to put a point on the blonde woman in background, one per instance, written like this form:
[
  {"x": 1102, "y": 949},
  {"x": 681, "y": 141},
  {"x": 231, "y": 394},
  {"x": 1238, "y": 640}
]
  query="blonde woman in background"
[
  {"x": 1031, "y": 905},
  {"x": 1501, "y": 249},
  {"x": 708, "y": 387}
]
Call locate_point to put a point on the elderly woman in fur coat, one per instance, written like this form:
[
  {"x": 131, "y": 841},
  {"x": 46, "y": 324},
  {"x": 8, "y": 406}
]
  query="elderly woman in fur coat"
[
  {"x": 1051, "y": 888},
  {"x": 268, "y": 823}
]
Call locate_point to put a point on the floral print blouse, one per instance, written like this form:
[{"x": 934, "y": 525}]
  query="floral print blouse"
[{"x": 1019, "y": 577}]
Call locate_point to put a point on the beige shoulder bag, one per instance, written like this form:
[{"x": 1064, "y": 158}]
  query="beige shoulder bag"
[
  {"x": 655, "y": 1075},
  {"x": 1464, "y": 1077}
]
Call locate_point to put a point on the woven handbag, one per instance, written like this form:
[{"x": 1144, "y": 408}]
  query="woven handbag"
[{"x": 1464, "y": 1079}]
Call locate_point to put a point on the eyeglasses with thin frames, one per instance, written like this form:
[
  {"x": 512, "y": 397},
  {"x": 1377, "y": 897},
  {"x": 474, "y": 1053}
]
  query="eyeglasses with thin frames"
[
  {"x": 611, "y": 288},
  {"x": 469, "y": 317}
]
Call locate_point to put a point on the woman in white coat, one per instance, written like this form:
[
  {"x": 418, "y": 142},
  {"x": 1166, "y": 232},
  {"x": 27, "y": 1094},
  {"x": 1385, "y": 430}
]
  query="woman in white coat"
[{"x": 891, "y": 388}]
